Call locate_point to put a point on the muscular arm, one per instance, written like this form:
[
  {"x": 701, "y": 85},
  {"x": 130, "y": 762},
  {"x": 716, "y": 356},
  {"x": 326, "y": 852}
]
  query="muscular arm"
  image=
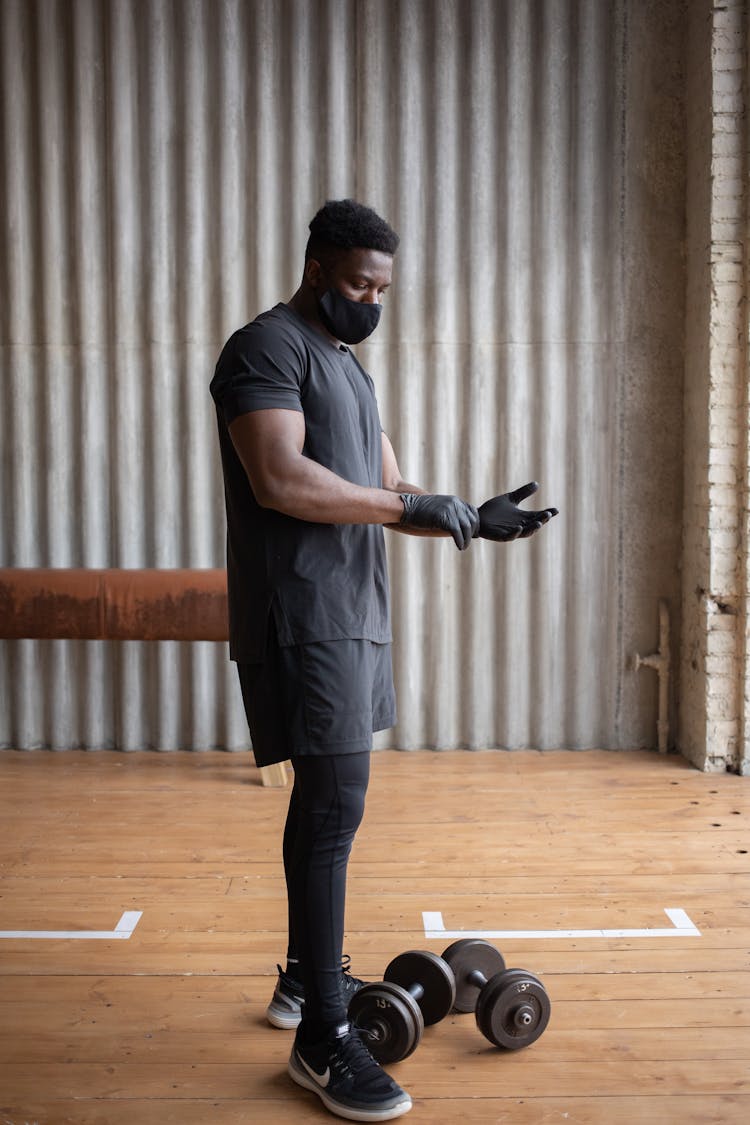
[{"x": 269, "y": 444}]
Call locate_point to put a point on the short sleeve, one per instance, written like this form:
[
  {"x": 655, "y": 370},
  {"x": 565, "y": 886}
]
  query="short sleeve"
[{"x": 260, "y": 368}]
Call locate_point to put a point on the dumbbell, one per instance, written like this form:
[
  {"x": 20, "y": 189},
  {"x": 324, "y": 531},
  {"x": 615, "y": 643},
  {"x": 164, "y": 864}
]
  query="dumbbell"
[
  {"x": 512, "y": 1007},
  {"x": 418, "y": 989}
]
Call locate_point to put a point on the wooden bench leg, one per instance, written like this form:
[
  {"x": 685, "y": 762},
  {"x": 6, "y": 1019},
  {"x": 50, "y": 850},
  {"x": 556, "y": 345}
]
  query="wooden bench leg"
[{"x": 274, "y": 776}]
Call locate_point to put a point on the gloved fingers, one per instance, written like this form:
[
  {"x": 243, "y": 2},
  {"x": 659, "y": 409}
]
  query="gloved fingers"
[
  {"x": 523, "y": 493},
  {"x": 537, "y": 520},
  {"x": 544, "y": 516},
  {"x": 463, "y": 527},
  {"x": 459, "y": 530}
]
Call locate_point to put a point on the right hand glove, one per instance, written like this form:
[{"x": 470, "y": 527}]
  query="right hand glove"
[{"x": 441, "y": 513}]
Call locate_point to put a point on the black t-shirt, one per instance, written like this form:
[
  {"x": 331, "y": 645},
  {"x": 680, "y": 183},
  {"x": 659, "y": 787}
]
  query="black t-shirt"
[{"x": 319, "y": 581}]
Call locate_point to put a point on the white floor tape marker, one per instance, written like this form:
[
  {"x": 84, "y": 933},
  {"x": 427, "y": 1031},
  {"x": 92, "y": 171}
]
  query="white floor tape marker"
[
  {"x": 681, "y": 927},
  {"x": 121, "y": 932}
]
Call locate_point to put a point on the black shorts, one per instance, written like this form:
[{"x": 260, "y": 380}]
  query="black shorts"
[{"x": 321, "y": 698}]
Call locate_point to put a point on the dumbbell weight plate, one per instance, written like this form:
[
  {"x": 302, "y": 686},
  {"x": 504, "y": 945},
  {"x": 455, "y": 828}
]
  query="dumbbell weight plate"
[
  {"x": 388, "y": 1019},
  {"x": 464, "y": 956},
  {"x": 513, "y": 1009},
  {"x": 418, "y": 966}
]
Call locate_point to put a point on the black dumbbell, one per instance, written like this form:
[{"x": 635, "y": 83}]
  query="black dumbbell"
[
  {"x": 418, "y": 989},
  {"x": 512, "y": 1007}
]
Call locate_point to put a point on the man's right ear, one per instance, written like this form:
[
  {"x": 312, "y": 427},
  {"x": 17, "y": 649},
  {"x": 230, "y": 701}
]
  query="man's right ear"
[{"x": 313, "y": 273}]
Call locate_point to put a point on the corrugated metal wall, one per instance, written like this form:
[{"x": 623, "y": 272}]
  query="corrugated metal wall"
[{"x": 160, "y": 162}]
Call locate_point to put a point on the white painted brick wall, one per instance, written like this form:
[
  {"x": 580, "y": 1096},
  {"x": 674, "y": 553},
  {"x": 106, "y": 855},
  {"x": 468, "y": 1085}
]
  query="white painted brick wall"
[{"x": 713, "y": 688}]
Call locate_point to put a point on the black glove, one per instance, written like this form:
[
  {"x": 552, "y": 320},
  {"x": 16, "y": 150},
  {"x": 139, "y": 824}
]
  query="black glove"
[
  {"x": 501, "y": 519},
  {"x": 441, "y": 513}
]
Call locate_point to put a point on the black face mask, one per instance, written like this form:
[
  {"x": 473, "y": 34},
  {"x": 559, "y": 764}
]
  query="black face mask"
[{"x": 349, "y": 321}]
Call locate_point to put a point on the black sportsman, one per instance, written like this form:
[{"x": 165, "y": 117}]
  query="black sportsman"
[{"x": 310, "y": 481}]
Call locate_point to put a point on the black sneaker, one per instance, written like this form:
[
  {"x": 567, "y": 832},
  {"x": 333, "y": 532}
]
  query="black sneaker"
[
  {"x": 345, "y": 1076},
  {"x": 349, "y": 984},
  {"x": 285, "y": 1009}
]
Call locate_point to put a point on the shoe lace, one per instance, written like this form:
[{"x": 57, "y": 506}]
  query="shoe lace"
[
  {"x": 350, "y": 983},
  {"x": 354, "y": 1059}
]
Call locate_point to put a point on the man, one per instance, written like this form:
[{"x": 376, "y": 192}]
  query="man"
[{"x": 310, "y": 481}]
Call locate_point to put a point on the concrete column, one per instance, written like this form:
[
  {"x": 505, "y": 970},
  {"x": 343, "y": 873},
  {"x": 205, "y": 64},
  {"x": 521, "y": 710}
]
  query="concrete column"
[{"x": 714, "y": 711}]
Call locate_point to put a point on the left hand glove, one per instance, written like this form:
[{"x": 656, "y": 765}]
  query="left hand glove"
[{"x": 501, "y": 519}]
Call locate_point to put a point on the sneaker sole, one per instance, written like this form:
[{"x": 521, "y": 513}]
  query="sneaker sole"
[
  {"x": 349, "y": 1112},
  {"x": 285, "y": 1020}
]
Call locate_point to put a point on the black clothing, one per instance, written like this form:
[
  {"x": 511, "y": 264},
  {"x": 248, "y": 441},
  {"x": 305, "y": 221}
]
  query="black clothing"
[
  {"x": 319, "y": 582},
  {"x": 326, "y": 697},
  {"x": 325, "y": 811}
]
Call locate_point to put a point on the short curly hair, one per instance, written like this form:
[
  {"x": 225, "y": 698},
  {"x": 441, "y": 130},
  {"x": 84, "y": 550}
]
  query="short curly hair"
[{"x": 345, "y": 224}]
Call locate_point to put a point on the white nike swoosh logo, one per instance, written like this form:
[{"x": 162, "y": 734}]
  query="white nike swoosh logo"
[{"x": 321, "y": 1079}]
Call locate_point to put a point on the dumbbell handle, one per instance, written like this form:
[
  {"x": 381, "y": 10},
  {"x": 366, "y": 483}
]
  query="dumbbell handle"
[
  {"x": 416, "y": 990},
  {"x": 477, "y": 977}
]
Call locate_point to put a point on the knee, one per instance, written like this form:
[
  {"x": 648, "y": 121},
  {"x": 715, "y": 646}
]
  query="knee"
[{"x": 353, "y": 807}]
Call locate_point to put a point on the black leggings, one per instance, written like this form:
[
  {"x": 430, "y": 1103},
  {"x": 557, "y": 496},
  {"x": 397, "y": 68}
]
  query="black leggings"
[{"x": 325, "y": 811}]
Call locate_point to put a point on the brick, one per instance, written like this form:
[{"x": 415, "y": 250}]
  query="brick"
[
  {"x": 729, "y": 728},
  {"x": 721, "y": 665},
  {"x": 726, "y": 143},
  {"x": 720, "y": 642},
  {"x": 725, "y": 272},
  {"x": 722, "y": 622},
  {"x": 723, "y": 333},
  {"x": 724, "y": 569},
  {"x": 725, "y": 36},
  {"x": 723, "y": 376},
  {"x": 724, "y": 389},
  {"x": 726, "y": 186},
  {"x": 727, "y": 228},
  {"x": 728, "y": 78},
  {"x": 729, "y": 60},
  {"x": 722, "y": 474},
  {"x": 725, "y": 519},
  {"x": 720, "y": 455},
  {"x": 728, "y": 205},
  {"x": 728, "y": 124},
  {"x": 726, "y": 298},
  {"x": 720, "y": 731},
  {"x": 724, "y": 488},
  {"x": 731, "y": 251},
  {"x": 725, "y": 539},
  {"x": 722, "y": 707}
]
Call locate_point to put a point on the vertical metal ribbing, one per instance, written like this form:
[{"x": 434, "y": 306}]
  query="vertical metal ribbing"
[{"x": 160, "y": 164}]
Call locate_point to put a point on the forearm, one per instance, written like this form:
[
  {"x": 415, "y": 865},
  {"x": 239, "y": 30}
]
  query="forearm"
[{"x": 308, "y": 491}]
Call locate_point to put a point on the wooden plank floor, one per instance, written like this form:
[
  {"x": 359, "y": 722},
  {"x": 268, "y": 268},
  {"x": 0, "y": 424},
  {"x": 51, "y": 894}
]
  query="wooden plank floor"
[{"x": 169, "y": 1026}]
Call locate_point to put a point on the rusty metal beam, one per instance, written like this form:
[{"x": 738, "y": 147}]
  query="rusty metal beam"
[{"x": 124, "y": 605}]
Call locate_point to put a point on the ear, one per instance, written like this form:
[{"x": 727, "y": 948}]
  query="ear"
[{"x": 313, "y": 273}]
